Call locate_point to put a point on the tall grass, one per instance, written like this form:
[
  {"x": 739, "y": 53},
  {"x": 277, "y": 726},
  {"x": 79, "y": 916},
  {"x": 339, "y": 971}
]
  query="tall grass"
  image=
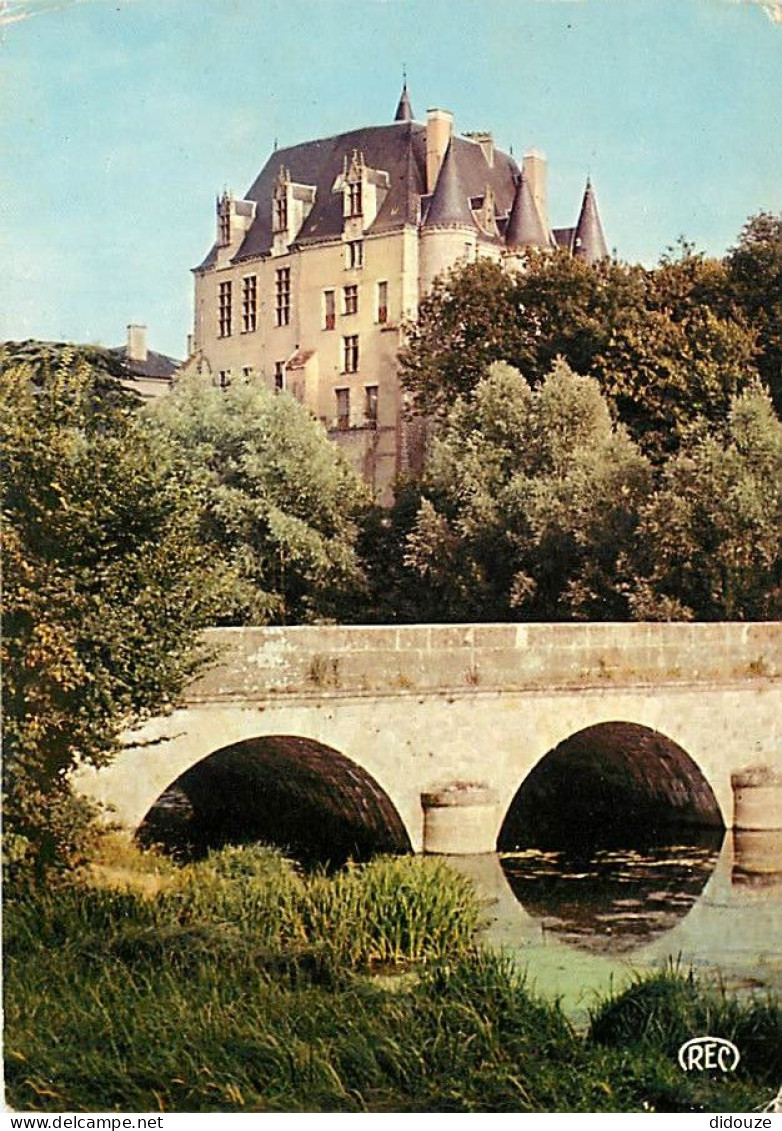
[
  {"x": 243, "y": 985},
  {"x": 664, "y": 1009}
]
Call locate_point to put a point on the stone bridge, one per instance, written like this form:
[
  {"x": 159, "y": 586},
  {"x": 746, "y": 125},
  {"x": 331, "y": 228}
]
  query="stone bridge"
[{"x": 458, "y": 738}]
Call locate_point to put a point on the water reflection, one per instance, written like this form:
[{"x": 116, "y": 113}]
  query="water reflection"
[
  {"x": 612, "y": 900},
  {"x": 563, "y": 920}
]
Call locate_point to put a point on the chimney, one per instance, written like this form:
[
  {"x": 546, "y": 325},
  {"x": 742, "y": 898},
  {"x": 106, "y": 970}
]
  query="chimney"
[
  {"x": 484, "y": 139},
  {"x": 439, "y": 124},
  {"x": 137, "y": 343},
  {"x": 535, "y": 167}
]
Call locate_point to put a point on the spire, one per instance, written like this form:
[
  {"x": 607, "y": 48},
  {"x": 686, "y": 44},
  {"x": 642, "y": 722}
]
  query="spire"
[
  {"x": 450, "y": 205},
  {"x": 525, "y": 227},
  {"x": 588, "y": 240},
  {"x": 404, "y": 111}
]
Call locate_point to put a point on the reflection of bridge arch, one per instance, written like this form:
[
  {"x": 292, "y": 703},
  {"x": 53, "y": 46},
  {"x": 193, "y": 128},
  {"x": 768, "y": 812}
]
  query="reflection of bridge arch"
[
  {"x": 610, "y": 782},
  {"x": 283, "y": 790},
  {"x": 420, "y": 708}
]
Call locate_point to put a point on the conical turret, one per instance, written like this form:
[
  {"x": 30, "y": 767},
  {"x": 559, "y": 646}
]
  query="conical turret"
[
  {"x": 404, "y": 110},
  {"x": 525, "y": 227},
  {"x": 450, "y": 205},
  {"x": 588, "y": 240}
]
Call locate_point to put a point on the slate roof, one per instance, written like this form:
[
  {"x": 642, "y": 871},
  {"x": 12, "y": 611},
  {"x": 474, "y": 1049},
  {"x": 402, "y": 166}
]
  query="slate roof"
[
  {"x": 156, "y": 364},
  {"x": 449, "y": 206},
  {"x": 589, "y": 243},
  {"x": 525, "y": 227},
  {"x": 404, "y": 111},
  {"x": 400, "y": 150}
]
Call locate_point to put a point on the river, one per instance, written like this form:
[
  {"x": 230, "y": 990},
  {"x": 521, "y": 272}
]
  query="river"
[{"x": 581, "y": 924}]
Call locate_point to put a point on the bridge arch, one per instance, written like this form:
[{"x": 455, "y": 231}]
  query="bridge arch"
[
  {"x": 611, "y": 781},
  {"x": 291, "y": 791}
]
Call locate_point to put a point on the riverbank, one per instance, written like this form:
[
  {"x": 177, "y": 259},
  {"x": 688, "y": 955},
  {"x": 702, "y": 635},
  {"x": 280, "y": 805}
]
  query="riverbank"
[{"x": 239, "y": 984}]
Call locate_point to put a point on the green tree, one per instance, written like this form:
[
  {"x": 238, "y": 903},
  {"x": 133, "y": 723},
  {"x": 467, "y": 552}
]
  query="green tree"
[
  {"x": 530, "y": 499},
  {"x": 670, "y": 345},
  {"x": 668, "y": 374},
  {"x": 755, "y": 279},
  {"x": 105, "y": 583},
  {"x": 470, "y": 318},
  {"x": 709, "y": 542},
  {"x": 480, "y": 313},
  {"x": 280, "y": 504}
]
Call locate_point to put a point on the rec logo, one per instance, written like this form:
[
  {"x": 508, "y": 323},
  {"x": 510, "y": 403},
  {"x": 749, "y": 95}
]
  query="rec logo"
[{"x": 703, "y": 1053}]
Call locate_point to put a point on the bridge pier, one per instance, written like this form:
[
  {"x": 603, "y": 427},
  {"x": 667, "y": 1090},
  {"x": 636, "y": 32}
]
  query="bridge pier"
[
  {"x": 757, "y": 798},
  {"x": 460, "y": 819}
]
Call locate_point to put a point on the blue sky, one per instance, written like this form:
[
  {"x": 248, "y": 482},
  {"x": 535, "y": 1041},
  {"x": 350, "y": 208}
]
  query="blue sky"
[{"x": 121, "y": 119}]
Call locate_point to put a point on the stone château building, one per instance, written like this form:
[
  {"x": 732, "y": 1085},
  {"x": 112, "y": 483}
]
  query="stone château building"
[{"x": 314, "y": 272}]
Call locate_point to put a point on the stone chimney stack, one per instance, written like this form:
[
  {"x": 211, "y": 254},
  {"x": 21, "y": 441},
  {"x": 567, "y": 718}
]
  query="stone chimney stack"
[
  {"x": 535, "y": 167},
  {"x": 137, "y": 343},
  {"x": 439, "y": 125}
]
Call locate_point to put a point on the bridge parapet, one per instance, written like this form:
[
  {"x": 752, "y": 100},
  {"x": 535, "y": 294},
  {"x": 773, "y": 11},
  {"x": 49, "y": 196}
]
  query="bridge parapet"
[{"x": 318, "y": 661}]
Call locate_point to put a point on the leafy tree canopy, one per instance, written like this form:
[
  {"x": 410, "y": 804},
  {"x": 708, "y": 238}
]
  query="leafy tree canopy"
[
  {"x": 530, "y": 498},
  {"x": 106, "y": 585},
  {"x": 755, "y": 279},
  {"x": 710, "y": 541},
  {"x": 279, "y": 502},
  {"x": 670, "y": 346}
]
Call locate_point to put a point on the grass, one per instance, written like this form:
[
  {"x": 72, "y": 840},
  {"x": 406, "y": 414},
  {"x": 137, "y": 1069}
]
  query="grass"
[{"x": 241, "y": 984}]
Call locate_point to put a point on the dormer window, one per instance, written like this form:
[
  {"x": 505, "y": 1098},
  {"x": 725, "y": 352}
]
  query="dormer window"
[
  {"x": 225, "y": 228},
  {"x": 363, "y": 191},
  {"x": 291, "y": 205},
  {"x": 234, "y": 218},
  {"x": 281, "y": 213},
  {"x": 224, "y": 220},
  {"x": 354, "y": 199}
]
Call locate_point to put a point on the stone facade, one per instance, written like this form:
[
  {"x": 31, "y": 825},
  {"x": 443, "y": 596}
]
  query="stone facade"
[{"x": 313, "y": 275}]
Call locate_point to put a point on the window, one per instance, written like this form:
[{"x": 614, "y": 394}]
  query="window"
[
  {"x": 354, "y": 199},
  {"x": 282, "y": 297},
  {"x": 249, "y": 303},
  {"x": 343, "y": 408},
  {"x": 350, "y": 354},
  {"x": 281, "y": 213},
  {"x": 350, "y": 297},
  {"x": 224, "y": 214},
  {"x": 279, "y": 376},
  {"x": 224, "y": 318},
  {"x": 355, "y": 253},
  {"x": 382, "y": 302},
  {"x": 247, "y": 372},
  {"x": 370, "y": 404},
  {"x": 224, "y": 378},
  {"x": 329, "y": 311}
]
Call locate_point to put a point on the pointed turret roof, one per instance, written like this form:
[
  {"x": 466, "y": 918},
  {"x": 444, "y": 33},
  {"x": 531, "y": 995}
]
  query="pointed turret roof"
[
  {"x": 450, "y": 203},
  {"x": 404, "y": 110},
  {"x": 525, "y": 227},
  {"x": 589, "y": 243}
]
